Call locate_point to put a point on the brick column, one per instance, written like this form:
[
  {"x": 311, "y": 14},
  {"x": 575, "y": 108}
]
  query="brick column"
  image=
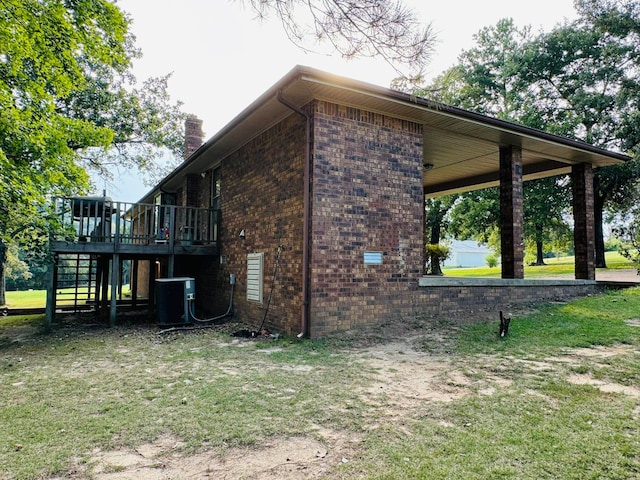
[
  {"x": 511, "y": 212},
  {"x": 584, "y": 224},
  {"x": 191, "y": 184}
]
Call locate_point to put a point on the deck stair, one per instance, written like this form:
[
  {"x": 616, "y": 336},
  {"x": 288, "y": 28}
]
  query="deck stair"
[
  {"x": 101, "y": 245},
  {"x": 76, "y": 282}
]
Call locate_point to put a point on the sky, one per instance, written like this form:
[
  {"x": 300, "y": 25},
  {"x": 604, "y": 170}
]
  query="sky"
[{"x": 222, "y": 58}]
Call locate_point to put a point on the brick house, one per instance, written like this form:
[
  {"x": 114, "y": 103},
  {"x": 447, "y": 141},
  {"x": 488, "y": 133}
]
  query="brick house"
[{"x": 320, "y": 185}]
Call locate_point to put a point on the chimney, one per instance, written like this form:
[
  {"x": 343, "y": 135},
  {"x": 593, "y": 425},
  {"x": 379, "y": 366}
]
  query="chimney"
[{"x": 192, "y": 135}]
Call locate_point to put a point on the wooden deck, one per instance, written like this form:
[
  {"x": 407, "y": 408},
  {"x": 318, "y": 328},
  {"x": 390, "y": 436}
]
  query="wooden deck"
[
  {"x": 91, "y": 237},
  {"x": 102, "y": 226}
]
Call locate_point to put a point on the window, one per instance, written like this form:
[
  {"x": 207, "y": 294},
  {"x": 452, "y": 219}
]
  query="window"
[
  {"x": 255, "y": 276},
  {"x": 216, "y": 189}
]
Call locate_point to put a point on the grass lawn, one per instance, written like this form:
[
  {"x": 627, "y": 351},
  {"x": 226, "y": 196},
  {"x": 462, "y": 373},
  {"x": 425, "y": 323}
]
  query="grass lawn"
[
  {"x": 38, "y": 298},
  {"x": 432, "y": 398},
  {"x": 554, "y": 267},
  {"x": 26, "y": 299}
]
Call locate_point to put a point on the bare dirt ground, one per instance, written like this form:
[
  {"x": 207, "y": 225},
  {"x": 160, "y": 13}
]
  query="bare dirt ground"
[{"x": 407, "y": 376}]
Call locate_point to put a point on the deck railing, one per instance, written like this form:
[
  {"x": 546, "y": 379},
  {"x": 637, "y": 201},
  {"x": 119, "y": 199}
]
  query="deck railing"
[{"x": 100, "y": 219}]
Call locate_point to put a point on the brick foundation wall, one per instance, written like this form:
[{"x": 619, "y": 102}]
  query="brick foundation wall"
[
  {"x": 367, "y": 196},
  {"x": 439, "y": 298},
  {"x": 474, "y": 295}
]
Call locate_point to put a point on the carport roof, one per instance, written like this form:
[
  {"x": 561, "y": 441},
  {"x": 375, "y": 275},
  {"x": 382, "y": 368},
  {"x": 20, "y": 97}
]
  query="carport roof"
[{"x": 461, "y": 148}]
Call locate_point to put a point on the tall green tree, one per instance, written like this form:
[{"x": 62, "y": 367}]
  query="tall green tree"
[
  {"x": 580, "y": 80},
  {"x": 67, "y": 102},
  {"x": 545, "y": 202},
  {"x": 436, "y": 210},
  {"x": 584, "y": 77},
  {"x": 486, "y": 81}
]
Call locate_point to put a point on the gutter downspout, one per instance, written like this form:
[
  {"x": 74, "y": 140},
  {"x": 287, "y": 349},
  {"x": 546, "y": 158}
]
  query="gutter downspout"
[{"x": 307, "y": 202}]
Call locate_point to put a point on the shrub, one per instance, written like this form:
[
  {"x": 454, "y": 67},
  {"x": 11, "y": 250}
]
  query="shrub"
[
  {"x": 492, "y": 260},
  {"x": 436, "y": 254}
]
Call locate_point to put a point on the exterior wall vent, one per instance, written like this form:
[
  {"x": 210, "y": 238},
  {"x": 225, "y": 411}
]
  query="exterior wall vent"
[
  {"x": 255, "y": 276},
  {"x": 373, "y": 258}
]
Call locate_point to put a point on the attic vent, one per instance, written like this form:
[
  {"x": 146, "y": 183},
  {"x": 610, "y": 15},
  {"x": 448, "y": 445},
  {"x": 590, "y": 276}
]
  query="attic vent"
[{"x": 255, "y": 262}]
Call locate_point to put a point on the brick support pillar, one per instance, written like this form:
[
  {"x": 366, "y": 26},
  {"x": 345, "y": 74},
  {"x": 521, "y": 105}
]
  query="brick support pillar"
[
  {"x": 584, "y": 224},
  {"x": 511, "y": 212}
]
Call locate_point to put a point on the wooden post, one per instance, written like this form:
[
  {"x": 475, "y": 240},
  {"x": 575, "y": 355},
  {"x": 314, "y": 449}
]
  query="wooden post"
[
  {"x": 134, "y": 282},
  {"x": 52, "y": 272},
  {"x": 171, "y": 265},
  {"x": 120, "y": 265},
  {"x": 152, "y": 287},
  {"x": 115, "y": 280},
  {"x": 104, "y": 261}
]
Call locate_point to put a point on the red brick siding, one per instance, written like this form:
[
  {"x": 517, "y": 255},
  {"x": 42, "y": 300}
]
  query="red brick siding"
[
  {"x": 367, "y": 196},
  {"x": 262, "y": 193}
]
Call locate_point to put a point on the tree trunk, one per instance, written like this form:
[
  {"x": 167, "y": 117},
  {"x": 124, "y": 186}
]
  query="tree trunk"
[
  {"x": 436, "y": 269},
  {"x": 3, "y": 260},
  {"x": 598, "y": 209},
  {"x": 539, "y": 245}
]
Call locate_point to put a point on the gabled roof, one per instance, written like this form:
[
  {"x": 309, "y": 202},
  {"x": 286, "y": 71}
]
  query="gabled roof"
[{"x": 461, "y": 146}]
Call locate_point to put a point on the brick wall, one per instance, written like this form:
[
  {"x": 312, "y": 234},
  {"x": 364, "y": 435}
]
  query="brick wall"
[
  {"x": 191, "y": 190},
  {"x": 262, "y": 193},
  {"x": 438, "y": 297},
  {"x": 367, "y": 196}
]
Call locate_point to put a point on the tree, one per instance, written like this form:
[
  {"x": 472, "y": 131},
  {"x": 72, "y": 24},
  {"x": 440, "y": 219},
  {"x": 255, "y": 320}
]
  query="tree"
[
  {"x": 581, "y": 80},
  {"x": 67, "y": 102},
  {"x": 484, "y": 80},
  {"x": 586, "y": 77},
  {"x": 16, "y": 269},
  {"x": 545, "y": 201},
  {"x": 436, "y": 210},
  {"x": 368, "y": 28},
  {"x": 629, "y": 237},
  {"x": 477, "y": 215}
]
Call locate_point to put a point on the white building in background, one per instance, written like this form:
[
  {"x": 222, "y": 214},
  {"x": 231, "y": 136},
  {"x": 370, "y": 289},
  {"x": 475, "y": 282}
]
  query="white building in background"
[{"x": 467, "y": 253}]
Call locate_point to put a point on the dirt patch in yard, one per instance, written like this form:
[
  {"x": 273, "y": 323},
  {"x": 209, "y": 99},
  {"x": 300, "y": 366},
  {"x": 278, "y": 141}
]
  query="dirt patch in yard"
[
  {"x": 607, "y": 387},
  {"x": 280, "y": 458},
  {"x": 406, "y": 378},
  {"x": 412, "y": 369}
]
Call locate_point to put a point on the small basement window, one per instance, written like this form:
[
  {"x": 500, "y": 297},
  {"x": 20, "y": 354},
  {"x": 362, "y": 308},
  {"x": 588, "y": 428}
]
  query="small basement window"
[{"x": 255, "y": 276}]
